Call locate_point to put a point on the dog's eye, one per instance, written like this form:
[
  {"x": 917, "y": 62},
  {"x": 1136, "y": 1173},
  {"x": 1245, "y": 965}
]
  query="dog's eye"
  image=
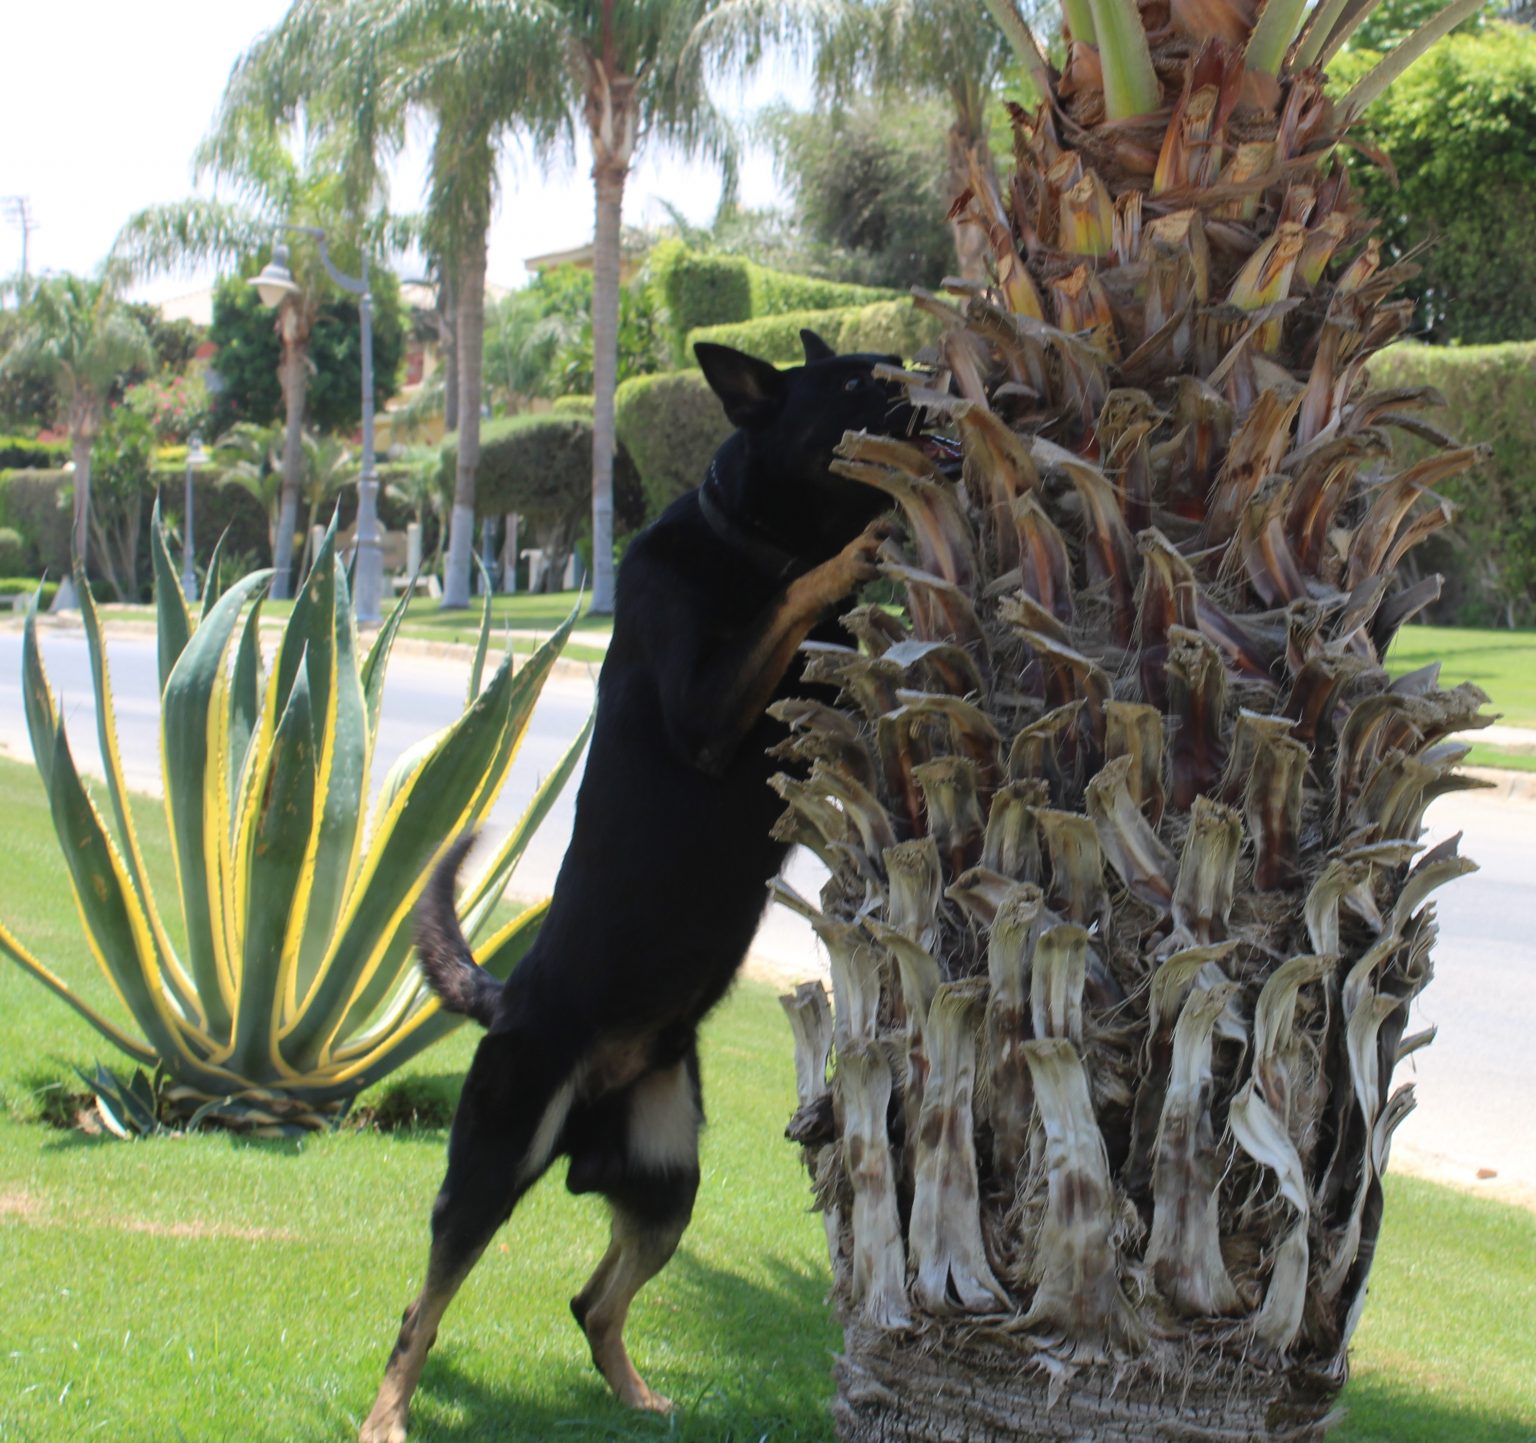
[{"x": 854, "y": 383}]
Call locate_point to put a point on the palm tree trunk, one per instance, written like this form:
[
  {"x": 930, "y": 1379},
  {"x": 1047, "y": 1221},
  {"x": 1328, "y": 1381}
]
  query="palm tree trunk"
[
  {"x": 80, "y": 454},
  {"x": 969, "y": 1384},
  {"x": 470, "y": 339},
  {"x": 964, "y": 151},
  {"x": 608, "y": 177},
  {"x": 293, "y": 374},
  {"x": 448, "y": 350}
]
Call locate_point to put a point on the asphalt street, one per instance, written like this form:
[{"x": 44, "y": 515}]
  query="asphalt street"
[{"x": 1476, "y": 1085}]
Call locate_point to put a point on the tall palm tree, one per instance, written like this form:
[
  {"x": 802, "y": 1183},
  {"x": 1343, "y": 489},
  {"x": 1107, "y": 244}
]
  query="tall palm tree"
[
  {"x": 248, "y": 150},
  {"x": 897, "y": 48},
  {"x": 1129, "y": 902},
  {"x": 80, "y": 333},
  {"x": 637, "y": 72},
  {"x": 357, "y": 70}
]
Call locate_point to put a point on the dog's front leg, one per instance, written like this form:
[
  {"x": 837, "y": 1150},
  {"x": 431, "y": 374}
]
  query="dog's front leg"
[{"x": 733, "y": 701}]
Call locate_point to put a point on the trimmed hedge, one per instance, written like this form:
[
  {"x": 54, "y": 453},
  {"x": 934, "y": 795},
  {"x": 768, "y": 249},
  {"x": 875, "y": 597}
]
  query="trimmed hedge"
[
  {"x": 26, "y": 585},
  {"x": 670, "y": 425},
  {"x": 698, "y": 290},
  {"x": 28, "y": 453},
  {"x": 36, "y": 504},
  {"x": 704, "y": 289},
  {"x": 574, "y": 406},
  {"x": 539, "y": 465},
  {"x": 1488, "y": 557},
  {"x": 886, "y": 328},
  {"x": 776, "y": 292},
  {"x": 13, "y": 552}
]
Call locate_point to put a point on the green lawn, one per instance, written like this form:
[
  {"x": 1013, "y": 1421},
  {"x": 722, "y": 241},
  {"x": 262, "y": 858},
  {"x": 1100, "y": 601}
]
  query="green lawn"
[
  {"x": 208, "y": 1288},
  {"x": 1503, "y": 663}
]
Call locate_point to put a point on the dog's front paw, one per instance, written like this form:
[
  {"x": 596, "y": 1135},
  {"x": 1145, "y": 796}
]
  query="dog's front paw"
[{"x": 856, "y": 563}]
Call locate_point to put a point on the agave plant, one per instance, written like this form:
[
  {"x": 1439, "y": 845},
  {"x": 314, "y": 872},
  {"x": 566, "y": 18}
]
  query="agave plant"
[
  {"x": 1128, "y": 902},
  {"x": 296, "y": 986}
]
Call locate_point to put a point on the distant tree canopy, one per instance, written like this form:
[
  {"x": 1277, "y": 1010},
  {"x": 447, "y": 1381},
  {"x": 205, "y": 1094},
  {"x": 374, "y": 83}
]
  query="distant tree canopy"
[
  {"x": 867, "y": 187},
  {"x": 538, "y": 340},
  {"x": 1460, "y": 130},
  {"x": 249, "y": 352}
]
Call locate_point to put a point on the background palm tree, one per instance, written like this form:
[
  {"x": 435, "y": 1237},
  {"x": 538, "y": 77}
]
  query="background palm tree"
[
  {"x": 81, "y": 334},
  {"x": 248, "y": 149},
  {"x": 330, "y": 465},
  {"x": 897, "y": 49},
  {"x": 249, "y": 456},
  {"x": 357, "y": 72}
]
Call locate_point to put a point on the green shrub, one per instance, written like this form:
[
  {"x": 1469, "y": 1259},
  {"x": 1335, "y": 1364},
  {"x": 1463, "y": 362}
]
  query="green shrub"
[
  {"x": 776, "y": 292},
  {"x": 670, "y": 425},
  {"x": 216, "y": 508},
  {"x": 25, "y": 586},
  {"x": 1489, "y": 557},
  {"x": 1460, "y": 130},
  {"x": 699, "y": 290},
  {"x": 13, "y": 552},
  {"x": 27, "y": 452},
  {"x": 37, "y": 504},
  {"x": 574, "y": 406},
  {"x": 886, "y": 327},
  {"x": 540, "y": 467}
]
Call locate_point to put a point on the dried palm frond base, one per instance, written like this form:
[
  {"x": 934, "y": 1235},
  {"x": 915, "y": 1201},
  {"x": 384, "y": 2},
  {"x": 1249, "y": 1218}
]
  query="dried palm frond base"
[{"x": 965, "y": 1383}]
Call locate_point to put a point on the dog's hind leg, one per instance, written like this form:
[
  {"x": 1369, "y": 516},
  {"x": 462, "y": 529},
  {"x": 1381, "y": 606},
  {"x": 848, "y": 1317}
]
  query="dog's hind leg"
[
  {"x": 650, "y": 1186},
  {"x": 509, "y": 1120}
]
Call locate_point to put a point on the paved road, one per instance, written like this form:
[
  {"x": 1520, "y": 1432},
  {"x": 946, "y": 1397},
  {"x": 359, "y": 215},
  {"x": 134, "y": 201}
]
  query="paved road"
[{"x": 1476, "y": 1084}]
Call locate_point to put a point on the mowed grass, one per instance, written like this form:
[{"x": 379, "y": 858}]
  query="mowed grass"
[
  {"x": 1503, "y": 663},
  {"x": 209, "y": 1288}
]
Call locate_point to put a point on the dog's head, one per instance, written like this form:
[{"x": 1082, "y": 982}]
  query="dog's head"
[{"x": 791, "y": 422}]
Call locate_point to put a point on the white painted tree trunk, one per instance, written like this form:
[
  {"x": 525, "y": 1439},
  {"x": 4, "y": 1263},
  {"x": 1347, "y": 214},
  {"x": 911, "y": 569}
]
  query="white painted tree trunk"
[{"x": 470, "y": 334}]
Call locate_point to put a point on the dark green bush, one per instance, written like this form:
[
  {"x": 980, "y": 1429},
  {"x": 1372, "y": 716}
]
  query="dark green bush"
[
  {"x": 540, "y": 466},
  {"x": 18, "y": 452},
  {"x": 1489, "y": 557},
  {"x": 1460, "y": 129},
  {"x": 699, "y": 290},
  {"x": 25, "y": 586},
  {"x": 776, "y": 292},
  {"x": 36, "y": 503},
  {"x": 886, "y": 327},
  {"x": 13, "y": 552},
  {"x": 215, "y": 508},
  {"x": 671, "y": 425}
]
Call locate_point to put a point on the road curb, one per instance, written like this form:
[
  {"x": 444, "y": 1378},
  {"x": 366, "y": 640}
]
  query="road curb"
[{"x": 566, "y": 668}]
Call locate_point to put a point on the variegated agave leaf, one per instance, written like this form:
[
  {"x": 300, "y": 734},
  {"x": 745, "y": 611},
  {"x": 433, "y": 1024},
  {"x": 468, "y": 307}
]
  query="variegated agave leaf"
[{"x": 295, "y": 988}]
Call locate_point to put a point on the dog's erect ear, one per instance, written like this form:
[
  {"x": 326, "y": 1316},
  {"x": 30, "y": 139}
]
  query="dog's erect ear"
[
  {"x": 816, "y": 349},
  {"x": 750, "y": 390}
]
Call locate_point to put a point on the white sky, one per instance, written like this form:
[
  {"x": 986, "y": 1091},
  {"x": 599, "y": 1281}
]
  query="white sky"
[{"x": 104, "y": 102}]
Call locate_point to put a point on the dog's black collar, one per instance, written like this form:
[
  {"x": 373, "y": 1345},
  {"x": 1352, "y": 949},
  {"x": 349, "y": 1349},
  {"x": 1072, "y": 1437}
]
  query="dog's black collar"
[{"x": 766, "y": 555}]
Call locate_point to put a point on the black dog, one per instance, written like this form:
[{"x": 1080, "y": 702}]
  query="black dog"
[{"x": 590, "y": 1050}]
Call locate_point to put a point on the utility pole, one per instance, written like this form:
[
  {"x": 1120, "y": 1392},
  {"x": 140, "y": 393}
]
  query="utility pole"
[{"x": 18, "y": 211}]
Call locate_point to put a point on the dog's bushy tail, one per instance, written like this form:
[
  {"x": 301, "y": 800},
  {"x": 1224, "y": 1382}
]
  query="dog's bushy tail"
[{"x": 461, "y": 984}]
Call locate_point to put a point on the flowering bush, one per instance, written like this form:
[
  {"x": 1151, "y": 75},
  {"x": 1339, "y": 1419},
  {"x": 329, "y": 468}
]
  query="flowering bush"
[{"x": 174, "y": 406}]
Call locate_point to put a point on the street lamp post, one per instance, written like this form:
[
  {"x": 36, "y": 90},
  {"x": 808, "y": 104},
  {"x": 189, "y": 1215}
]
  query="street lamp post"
[
  {"x": 273, "y": 284},
  {"x": 196, "y": 457}
]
